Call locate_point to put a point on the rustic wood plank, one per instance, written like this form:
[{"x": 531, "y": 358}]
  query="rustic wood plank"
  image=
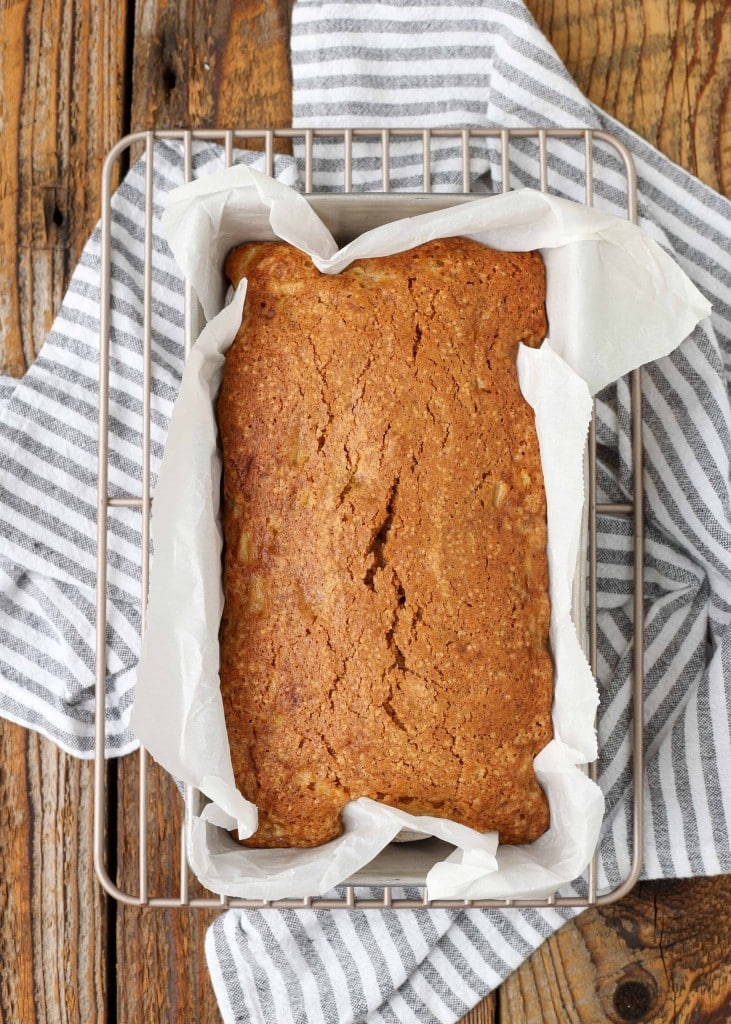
[
  {"x": 197, "y": 63},
  {"x": 486, "y": 1011},
  {"x": 663, "y": 67},
  {"x": 61, "y": 108},
  {"x": 52, "y": 925},
  {"x": 161, "y": 968},
  {"x": 661, "y": 956},
  {"x": 35, "y": 200},
  {"x": 211, "y": 63},
  {"x": 171, "y": 87}
]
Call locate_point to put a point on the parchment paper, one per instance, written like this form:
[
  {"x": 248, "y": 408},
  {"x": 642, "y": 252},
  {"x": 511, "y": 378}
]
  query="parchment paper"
[{"x": 614, "y": 301}]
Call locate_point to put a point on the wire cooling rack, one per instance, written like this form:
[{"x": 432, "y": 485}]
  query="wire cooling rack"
[{"x": 341, "y": 144}]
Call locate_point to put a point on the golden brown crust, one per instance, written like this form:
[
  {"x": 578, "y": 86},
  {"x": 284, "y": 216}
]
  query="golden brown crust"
[{"x": 386, "y": 616}]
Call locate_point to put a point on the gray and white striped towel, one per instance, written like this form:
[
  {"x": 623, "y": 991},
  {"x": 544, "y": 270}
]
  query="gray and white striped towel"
[{"x": 467, "y": 63}]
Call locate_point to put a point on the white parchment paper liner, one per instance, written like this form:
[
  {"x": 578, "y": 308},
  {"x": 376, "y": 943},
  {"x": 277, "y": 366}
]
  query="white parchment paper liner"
[{"x": 615, "y": 301}]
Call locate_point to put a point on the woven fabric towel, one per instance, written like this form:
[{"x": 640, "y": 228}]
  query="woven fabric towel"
[
  {"x": 486, "y": 64},
  {"x": 48, "y": 471},
  {"x": 431, "y": 64}
]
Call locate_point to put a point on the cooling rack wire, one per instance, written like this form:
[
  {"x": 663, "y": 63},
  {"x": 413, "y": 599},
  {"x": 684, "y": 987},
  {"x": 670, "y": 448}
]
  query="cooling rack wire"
[{"x": 593, "y": 146}]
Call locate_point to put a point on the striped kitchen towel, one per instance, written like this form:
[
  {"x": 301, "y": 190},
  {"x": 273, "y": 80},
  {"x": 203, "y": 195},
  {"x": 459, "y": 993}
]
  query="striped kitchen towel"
[
  {"x": 467, "y": 63},
  {"x": 474, "y": 63}
]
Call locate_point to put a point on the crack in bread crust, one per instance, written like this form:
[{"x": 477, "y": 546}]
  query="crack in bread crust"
[{"x": 385, "y": 630}]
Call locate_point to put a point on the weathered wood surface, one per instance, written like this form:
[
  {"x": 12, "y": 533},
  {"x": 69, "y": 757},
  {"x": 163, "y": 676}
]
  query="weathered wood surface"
[
  {"x": 160, "y": 965},
  {"x": 663, "y": 69},
  {"x": 61, "y": 108},
  {"x": 214, "y": 63},
  {"x": 211, "y": 64},
  {"x": 53, "y": 937},
  {"x": 661, "y": 956},
  {"x": 661, "y": 66}
]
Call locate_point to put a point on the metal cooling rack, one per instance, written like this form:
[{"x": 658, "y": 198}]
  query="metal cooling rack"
[{"x": 341, "y": 143}]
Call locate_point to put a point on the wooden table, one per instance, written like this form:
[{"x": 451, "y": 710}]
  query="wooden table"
[{"x": 74, "y": 77}]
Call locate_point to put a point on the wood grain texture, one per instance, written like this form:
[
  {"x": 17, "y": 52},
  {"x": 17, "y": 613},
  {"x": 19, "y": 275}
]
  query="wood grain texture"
[
  {"x": 61, "y": 69},
  {"x": 52, "y": 924},
  {"x": 196, "y": 64},
  {"x": 161, "y": 969},
  {"x": 661, "y": 955},
  {"x": 211, "y": 63},
  {"x": 61, "y": 75},
  {"x": 662, "y": 67},
  {"x": 486, "y": 1011}
]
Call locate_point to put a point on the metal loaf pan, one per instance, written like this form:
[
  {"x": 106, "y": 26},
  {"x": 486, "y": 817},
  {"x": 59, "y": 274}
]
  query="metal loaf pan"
[{"x": 347, "y": 216}]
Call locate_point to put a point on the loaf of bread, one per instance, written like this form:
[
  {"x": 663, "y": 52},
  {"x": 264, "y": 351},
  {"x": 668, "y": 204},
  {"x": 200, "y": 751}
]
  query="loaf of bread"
[{"x": 385, "y": 627}]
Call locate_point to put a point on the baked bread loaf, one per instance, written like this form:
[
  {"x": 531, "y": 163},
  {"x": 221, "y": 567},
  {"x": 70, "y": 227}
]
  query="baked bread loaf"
[{"x": 385, "y": 629}]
